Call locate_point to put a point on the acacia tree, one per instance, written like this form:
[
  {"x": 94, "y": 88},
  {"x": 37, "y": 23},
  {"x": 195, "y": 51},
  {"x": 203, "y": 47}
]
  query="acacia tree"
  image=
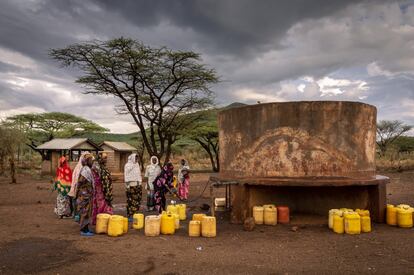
[
  {"x": 388, "y": 132},
  {"x": 10, "y": 140},
  {"x": 154, "y": 85},
  {"x": 42, "y": 127}
]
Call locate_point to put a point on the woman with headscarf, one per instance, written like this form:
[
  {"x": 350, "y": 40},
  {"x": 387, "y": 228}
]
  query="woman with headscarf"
[
  {"x": 106, "y": 178},
  {"x": 75, "y": 177},
  {"x": 62, "y": 186},
  {"x": 161, "y": 185},
  {"x": 151, "y": 172},
  {"x": 99, "y": 203},
  {"x": 184, "y": 180},
  {"x": 84, "y": 195},
  {"x": 133, "y": 180}
]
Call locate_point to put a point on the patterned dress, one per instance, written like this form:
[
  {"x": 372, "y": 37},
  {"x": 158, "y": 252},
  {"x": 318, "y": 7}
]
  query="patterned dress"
[
  {"x": 106, "y": 181},
  {"x": 99, "y": 203},
  {"x": 84, "y": 197},
  {"x": 62, "y": 185},
  {"x": 160, "y": 186},
  {"x": 134, "y": 196}
]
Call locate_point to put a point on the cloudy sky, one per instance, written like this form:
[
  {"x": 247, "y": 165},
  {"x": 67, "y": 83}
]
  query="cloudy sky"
[{"x": 263, "y": 50}]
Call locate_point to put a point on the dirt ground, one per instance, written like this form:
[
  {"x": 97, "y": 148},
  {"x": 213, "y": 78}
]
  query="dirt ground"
[{"x": 34, "y": 240}]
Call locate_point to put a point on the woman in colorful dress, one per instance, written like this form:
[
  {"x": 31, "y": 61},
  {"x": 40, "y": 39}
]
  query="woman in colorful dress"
[
  {"x": 62, "y": 186},
  {"x": 133, "y": 181},
  {"x": 84, "y": 195},
  {"x": 184, "y": 180},
  {"x": 106, "y": 178},
  {"x": 99, "y": 203},
  {"x": 151, "y": 173},
  {"x": 73, "y": 191},
  {"x": 161, "y": 185}
]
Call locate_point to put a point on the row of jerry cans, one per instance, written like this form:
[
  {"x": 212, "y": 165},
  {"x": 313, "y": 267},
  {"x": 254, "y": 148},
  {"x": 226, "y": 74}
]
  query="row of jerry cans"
[
  {"x": 269, "y": 214},
  {"x": 348, "y": 221},
  {"x": 400, "y": 215},
  {"x": 113, "y": 225},
  {"x": 202, "y": 225}
]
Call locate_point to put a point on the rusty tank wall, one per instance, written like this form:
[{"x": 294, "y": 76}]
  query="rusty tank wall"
[{"x": 298, "y": 139}]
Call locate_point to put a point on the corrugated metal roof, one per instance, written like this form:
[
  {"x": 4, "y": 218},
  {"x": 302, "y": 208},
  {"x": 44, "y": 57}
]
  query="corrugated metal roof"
[
  {"x": 65, "y": 144},
  {"x": 119, "y": 146}
]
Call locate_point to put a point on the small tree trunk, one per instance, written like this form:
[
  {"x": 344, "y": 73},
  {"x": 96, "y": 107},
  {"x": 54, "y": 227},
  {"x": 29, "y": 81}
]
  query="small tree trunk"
[
  {"x": 12, "y": 169},
  {"x": 2, "y": 169}
]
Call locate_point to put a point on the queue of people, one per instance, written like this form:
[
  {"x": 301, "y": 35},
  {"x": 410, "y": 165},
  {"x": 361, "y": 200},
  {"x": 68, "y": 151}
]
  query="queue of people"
[{"x": 87, "y": 191}]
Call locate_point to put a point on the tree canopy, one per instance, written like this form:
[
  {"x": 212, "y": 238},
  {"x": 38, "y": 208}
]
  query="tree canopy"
[
  {"x": 156, "y": 86},
  {"x": 388, "y": 132},
  {"x": 42, "y": 127}
]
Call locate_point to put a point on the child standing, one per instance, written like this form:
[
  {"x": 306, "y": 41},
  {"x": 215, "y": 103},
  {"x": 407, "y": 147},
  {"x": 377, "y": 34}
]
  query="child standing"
[{"x": 184, "y": 180}]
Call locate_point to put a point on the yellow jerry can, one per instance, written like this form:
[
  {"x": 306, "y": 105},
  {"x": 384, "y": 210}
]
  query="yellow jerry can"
[
  {"x": 194, "y": 229},
  {"x": 338, "y": 224},
  {"x": 182, "y": 211},
  {"x": 391, "y": 216},
  {"x": 198, "y": 217},
  {"x": 172, "y": 209},
  {"x": 125, "y": 229},
  {"x": 404, "y": 206},
  {"x": 176, "y": 221},
  {"x": 362, "y": 212},
  {"x": 138, "y": 221},
  {"x": 152, "y": 225},
  {"x": 352, "y": 223},
  {"x": 365, "y": 224},
  {"x": 208, "y": 227},
  {"x": 258, "y": 214},
  {"x": 270, "y": 215},
  {"x": 331, "y": 214},
  {"x": 167, "y": 224},
  {"x": 405, "y": 217},
  {"x": 116, "y": 226},
  {"x": 102, "y": 221}
]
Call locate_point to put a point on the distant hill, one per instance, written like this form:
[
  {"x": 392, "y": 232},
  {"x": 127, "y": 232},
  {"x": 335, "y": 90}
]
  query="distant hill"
[{"x": 132, "y": 138}]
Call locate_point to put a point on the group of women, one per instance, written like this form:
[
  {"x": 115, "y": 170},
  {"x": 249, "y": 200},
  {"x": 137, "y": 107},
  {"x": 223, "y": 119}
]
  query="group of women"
[{"x": 87, "y": 191}]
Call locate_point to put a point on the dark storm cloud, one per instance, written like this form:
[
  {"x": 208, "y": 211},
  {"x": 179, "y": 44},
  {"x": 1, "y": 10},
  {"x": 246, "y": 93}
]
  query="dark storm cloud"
[
  {"x": 263, "y": 50},
  {"x": 229, "y": 26}
]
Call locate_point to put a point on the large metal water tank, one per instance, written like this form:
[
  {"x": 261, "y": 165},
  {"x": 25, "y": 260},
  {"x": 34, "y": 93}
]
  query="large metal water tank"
[{"x": 298, "y": 139}]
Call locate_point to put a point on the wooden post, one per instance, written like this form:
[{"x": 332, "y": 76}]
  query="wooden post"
[{"x": 213, "y": 211}]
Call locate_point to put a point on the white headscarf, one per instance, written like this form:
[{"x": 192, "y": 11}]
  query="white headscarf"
[
  {"x": 86, "y": 172},
  {"x": 132, "y": 171},
  {"x": 75, "y": 175},
  {"x": 152, "y": 171}
]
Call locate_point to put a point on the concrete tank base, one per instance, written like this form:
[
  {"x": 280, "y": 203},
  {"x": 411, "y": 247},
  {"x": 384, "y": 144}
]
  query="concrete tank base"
[{"x": 309, "y": 195}]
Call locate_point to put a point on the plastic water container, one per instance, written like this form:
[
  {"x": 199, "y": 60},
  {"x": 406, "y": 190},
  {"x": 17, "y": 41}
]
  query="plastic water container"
[
  {"x": 332, "y": 212},
  {"x": 352, "y": 223},
  {"x": 208, "y": 227},
  {"x": 167, "y": 224},
  {"x": 338, "y": 224},
  {"x": 194, "y": 229},
  {"x": 182, "y": 211},
  {"x": 362, "y": 212},
  {"x": 391, "y": 216},
  {"x": 116, "y": 226},
  {"x": 258, "y": 214},
  {"x": 176, "y": 221},
  {"x": 270, "y": 215},
  {"x": 365, "y": 224},
  {"x": 172, "y": 209},
  {"x": 152, "y": 225},
  {"x": 125, "y": 229},
  {"x": 283, "y": 214},
  {"x": 198, "y": 217},
  {"x": 138, "y": 221},
  {"x": 102, "y": 221},
  {"x": 405, "y": 217}
]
